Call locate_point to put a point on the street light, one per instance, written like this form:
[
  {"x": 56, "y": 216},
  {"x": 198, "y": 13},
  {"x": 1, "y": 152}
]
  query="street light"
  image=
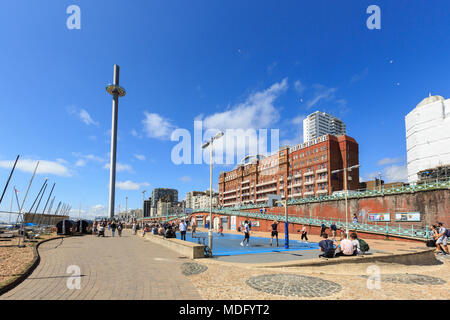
[
  {"x": 205, "y": 145},
  {"x": 143, "y": 202},
  {"x": 346, "y": 190}
]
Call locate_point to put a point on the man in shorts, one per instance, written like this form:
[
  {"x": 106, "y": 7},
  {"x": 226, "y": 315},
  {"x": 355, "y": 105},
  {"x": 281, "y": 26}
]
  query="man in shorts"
[
  {"x": 441, "y": 242},
  {"x": 274, "y": 227},
  {"x": 246, "y": 233}
]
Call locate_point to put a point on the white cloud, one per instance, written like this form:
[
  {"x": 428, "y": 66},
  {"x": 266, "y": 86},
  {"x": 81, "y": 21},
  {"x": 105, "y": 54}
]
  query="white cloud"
[
  {"x": 120, "y": 167},
  {"x": 155, "y": 126},
  {"x": 130, "y": 185},
  {"x": 321, "y": 93},
  {"x": 134, "y": 133},
  {"x": 140, "y": 157},
  {"x": 80, "y": 163},
  {"x": 299, "y": 87},
  {"x": 86, "y": 118},
  {"x": 296, "y": 126},
  {"x": 257, "y": 111},
  {"x": 359, "y": 76},
  {"x": 83, "y": 115},
  {"x": 45, "y": 167},
  {"x": 185, "y": 179},
  {"x": 242, "y": 123},
  {"x": 396, "y": 173},
  {"x": 386, "y": 161}
]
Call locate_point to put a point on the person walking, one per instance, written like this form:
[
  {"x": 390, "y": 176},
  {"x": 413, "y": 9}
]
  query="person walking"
[
  {"x": 182, "y": 227},
  {"x": 134, "y": 228},
  {"x": 304, "y": 234},
  {"x": 119, "y": 229},
  {"x": 246, "y": 233},
  {"x": 194, "y": 228},
  {"x": 113, "y": 227},
  {"x": 274, "y": 227},
  {"x": 220, "y": 231}
]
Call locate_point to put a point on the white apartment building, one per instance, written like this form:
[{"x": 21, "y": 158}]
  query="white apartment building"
[
  {"x": 319, "y": 123},
  {"x": 200, "y": 199},
  {"x": 428, "y": 135}
]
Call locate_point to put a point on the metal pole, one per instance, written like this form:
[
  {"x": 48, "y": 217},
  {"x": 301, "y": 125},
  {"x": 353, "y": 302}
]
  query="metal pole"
[
  {"x": 210, "y": 233},
  {"x": 57, "y": 208},
  {"x": 45, "y": 207},
  {"x": 112, "y": 174},
  {"x": 286, "y": 225},
  {"x": 51, "y": 205},
  {"x": 10, "y": 175},
  {"x": 23, "y": 202},
  {"x": 10, "y": 208},
  {"x": 34, "y": 202},
  {"x": 39, "y": 202},
  {"x": 346, "y": 205}
]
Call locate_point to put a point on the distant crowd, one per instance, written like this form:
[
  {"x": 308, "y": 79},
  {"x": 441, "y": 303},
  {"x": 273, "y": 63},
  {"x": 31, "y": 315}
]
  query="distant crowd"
[{"x": 99, "y": 227}]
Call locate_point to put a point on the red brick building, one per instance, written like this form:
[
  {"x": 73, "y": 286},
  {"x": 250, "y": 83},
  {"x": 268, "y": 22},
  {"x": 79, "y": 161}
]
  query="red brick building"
[{"x": 298, "y": 172}]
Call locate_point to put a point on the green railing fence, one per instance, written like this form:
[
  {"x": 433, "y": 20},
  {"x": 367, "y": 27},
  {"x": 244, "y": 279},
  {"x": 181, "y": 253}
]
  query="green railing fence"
[{"x": 387, "y": 229}]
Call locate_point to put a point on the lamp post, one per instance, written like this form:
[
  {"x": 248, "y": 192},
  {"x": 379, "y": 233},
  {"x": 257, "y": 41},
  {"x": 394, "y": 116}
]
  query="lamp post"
[
  {"x": 116, "y": 91},
  {"x": 346, "y": 191},
  {"x": 205, "y": 145},
  {"x": 143, "y": 202}
]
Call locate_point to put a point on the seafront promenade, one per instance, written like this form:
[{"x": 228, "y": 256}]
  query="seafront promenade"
[{"x": 131, "y": 268}]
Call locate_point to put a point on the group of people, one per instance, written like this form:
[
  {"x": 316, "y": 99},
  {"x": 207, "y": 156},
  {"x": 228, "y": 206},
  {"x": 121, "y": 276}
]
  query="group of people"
[
  {"x": 167, "y": 230},
  {"x": 99, "y": 227},
  {"x": 345, "y": 247}
]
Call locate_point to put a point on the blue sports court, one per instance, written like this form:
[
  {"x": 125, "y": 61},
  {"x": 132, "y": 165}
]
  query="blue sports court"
[{"x": 229, "y": 244}]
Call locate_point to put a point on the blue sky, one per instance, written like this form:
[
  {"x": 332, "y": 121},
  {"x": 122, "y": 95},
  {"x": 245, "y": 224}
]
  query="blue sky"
[{"x": 274, "y": 62}]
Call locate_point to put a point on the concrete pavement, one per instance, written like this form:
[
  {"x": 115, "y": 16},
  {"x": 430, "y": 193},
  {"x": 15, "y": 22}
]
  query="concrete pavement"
[{"x": 110, "y": 268}]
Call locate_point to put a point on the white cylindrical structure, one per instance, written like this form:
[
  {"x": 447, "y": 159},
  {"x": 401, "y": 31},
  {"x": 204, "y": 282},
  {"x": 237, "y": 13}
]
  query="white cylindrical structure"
[{"x": 428, "y": 135}]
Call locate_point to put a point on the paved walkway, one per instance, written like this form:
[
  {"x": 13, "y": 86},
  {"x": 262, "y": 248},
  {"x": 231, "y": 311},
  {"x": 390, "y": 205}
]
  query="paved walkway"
[{"x": 111, "y": 268}]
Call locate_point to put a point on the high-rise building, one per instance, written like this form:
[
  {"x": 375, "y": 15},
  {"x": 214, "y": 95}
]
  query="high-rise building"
[
  {"x": 428, "y": 136},
  {"x": 319, "y": 123},
  {"x": 200, "y": 199},
  {"x": 293, "y": 172}
]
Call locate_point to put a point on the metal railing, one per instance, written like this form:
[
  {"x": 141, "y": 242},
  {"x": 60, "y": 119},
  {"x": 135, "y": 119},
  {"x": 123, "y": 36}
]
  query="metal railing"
[
  {"x": 355, "y": 194},
  {"x": 417, "y": 233}
]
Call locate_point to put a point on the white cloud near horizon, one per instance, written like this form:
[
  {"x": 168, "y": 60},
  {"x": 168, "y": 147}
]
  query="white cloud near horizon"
[
  {"x": 393, "y": 173},
  {"x": 130, "y": 185},
  {"x": 45, "y": 167},
  {"x": 386, "y": 161}
]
